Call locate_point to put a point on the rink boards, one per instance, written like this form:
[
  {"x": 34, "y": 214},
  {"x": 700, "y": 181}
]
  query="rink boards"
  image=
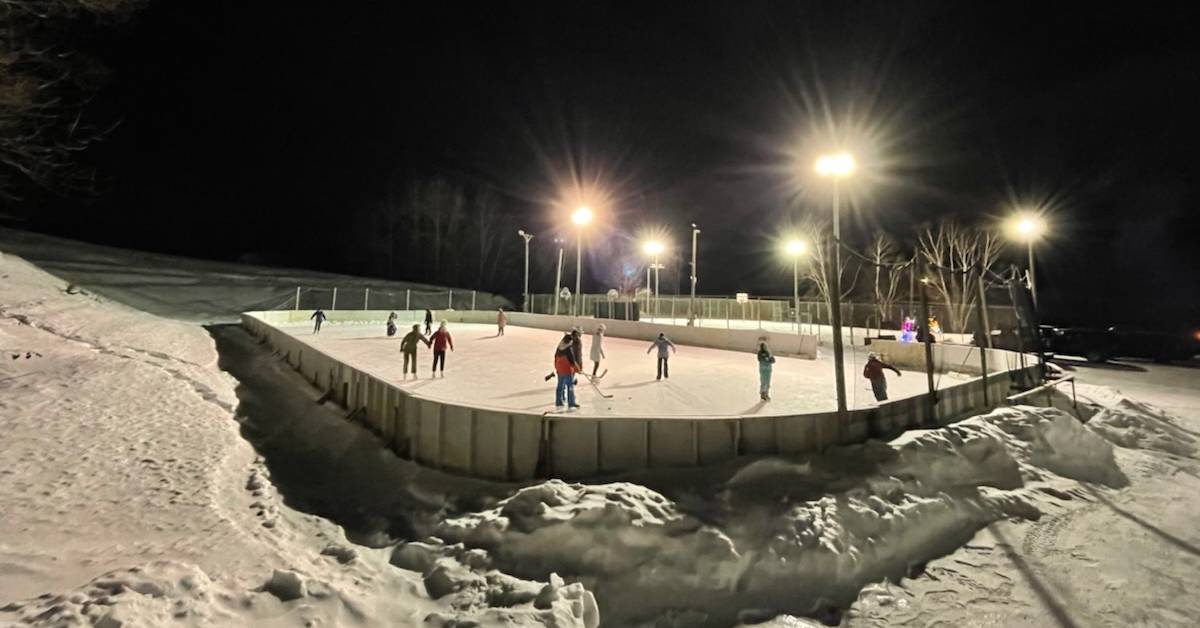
[{"x": 503, "y": 444}]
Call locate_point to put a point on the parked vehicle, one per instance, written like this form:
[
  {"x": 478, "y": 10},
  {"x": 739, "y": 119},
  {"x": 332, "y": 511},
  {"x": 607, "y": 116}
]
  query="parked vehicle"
[
  {"x": 1157, "y": 345},
  {"x": 1094, "y": 345},
  {"x": 1008, "y": 339}
]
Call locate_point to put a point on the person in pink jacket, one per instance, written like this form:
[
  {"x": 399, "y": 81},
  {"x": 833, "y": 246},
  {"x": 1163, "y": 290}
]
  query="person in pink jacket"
[{"x": 441, "y": 339}]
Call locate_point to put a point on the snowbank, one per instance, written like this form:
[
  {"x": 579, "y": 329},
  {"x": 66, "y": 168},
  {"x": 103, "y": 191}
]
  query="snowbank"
[
  {"x": 773, "y": 546},
  {"x": 130, "y": 498}
]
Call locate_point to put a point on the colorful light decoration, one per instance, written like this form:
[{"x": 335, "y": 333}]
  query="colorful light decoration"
[{"x": 908, "y": 330}]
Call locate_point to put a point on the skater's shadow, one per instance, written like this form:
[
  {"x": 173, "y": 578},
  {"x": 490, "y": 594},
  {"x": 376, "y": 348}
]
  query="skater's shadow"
[
  {"x": 488, "y": 337},
  {"x": 524, "y": 393},
  {"x": 754, "y": 408},
  {"x": 637, "y": 385}
]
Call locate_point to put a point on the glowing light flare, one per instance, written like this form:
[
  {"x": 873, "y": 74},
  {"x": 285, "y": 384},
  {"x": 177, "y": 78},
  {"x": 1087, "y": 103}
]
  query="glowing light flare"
[
  {"x": 796, "y": 248},
  {"x": 838, "y": 165},
  {"x": 1027, "y": 226},
  {"x": 582, "y": 216},
  {"x": 653, "y": 247}
]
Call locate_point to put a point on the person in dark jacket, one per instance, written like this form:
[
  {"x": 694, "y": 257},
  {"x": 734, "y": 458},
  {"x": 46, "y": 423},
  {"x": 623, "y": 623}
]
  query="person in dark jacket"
[
  {"x": 391, "y": 324},
  {"x": 577, "y": 347},
  {"x": 408, "y": 346},
  {"x": 317, "y": 317},
  {"x": 441, "y": 339},
  {"x": 428, "y": 322},
  {"x": 873, "y": 371},
  {"x": 766, "y": 364},
  {"x": 665, "y": 348},
  {"x": 565, "y": 367}
]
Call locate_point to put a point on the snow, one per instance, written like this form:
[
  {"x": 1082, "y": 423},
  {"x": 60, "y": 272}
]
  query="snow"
[
  {"x": 509, "y": 372},
  {"x": 204, "y": 291},
  {"x": 143, "y": 485},
  {"x": 131, "y": 499}
]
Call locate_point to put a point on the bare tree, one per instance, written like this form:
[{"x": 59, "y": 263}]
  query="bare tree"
[
  {"x": 820, "y": 265},
  {"x": 955, "y": 253},
  {"x": 45, "y": 88},
  {"x": 885, "y": 255}
]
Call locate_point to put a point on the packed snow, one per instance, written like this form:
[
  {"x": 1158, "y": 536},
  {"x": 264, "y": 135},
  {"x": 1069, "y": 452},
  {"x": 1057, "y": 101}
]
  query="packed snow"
[
  {"x": 509, "y": 372},
  {"x": 129, "y": 498},
  {"x": 147, "y": 480}
]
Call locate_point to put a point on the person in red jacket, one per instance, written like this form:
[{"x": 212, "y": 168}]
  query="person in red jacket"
[
  {"x": 441, "y": 339},
  {"x": 873, "y": 370},
  {"x": 565, "y": 366}
]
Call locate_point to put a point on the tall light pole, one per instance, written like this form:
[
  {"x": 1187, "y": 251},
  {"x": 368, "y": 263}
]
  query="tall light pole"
[
  {"x": 837, "y": 166},
  {"x": 654, "y": 249},
  {"x": 796, "y": 248},
  {"x": 527, "y": 237},
  {"x": 1029, "y": 227},
  {"x": 558, "y": 273},
  {"x": 692, "y": 301},
  {"x": 581, "y": 218}
]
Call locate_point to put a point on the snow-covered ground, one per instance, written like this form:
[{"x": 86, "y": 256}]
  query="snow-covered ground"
[
  {"x": 147, "y": 480},
  {"x": 203, "y": 291},
  {"x": 509, "y": 372},
  {"x": 130, "y": 499}
]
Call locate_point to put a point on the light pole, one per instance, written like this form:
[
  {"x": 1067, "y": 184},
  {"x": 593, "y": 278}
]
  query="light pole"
[
  {"x": 836, "y": 167},
  {"x": 1028, "y": 226},
  {"x": 558, "y": 273},
  {"x": 581, "y": 218},
  {"x": 527, "y": 237},
  {"x": 796, "y": 248},
  {"x": 692, "y": 301},
  {"x": 653, "y": 248}
]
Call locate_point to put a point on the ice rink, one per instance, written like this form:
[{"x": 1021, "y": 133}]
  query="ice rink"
[{"x": 507, "y": 372}]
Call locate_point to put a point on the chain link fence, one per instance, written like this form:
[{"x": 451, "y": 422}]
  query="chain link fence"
[
  {"x": 811, "y": 311},
  {"x": 367, "y": 298}
]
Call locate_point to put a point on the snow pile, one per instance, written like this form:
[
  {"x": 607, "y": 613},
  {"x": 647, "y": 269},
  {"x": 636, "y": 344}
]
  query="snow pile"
[
  {"x": 778, "y": 542},
  {"x": 122, "y": 456},
  {"x": 1136, "y": 425}
]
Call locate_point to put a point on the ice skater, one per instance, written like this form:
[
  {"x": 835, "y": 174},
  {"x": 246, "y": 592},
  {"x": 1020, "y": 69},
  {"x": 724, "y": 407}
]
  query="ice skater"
[
  {"x": 317, "y": 317},
  {"x": 873, "y": 371},
  {"x": 766, "y": 364},
  {"x": 428, "y": 322},
  {"x": 391, "y": 324},
  {"x": 577, "y": 346},
  {"x": 441, "y": 339},
  {"x": 665, "y": 348},
  {"x": 566, "y": 367},
  {"x": 597, "y": 351},
  {"x": 408, "y": 346},
  {"x": 501, "y": 321}
]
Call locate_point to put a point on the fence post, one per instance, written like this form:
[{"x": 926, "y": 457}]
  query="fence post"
[
  {"x": 407, "y": 299},
  {"x": 472, "y": 299},
  {"x": 450, "y": 299},
  {"x": 366, "y": 298},
  {"x": 334, "y": 305},
  {"x": 297, "y": 308}
]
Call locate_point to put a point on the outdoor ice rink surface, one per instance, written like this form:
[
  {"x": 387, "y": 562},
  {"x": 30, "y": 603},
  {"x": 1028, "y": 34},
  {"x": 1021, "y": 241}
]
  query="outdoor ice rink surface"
[{"x": 507, "y": 372}]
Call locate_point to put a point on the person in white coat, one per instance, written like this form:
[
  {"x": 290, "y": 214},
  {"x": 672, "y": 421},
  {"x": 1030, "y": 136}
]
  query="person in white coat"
[{"x": 597, "y": 348}]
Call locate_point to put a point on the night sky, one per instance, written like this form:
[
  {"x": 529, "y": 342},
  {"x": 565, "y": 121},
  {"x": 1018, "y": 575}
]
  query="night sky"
[{"x": 257, "y": 131}]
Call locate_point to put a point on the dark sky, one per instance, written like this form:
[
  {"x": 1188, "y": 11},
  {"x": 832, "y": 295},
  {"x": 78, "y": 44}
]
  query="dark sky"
[{"x": 260, "y": 129}]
